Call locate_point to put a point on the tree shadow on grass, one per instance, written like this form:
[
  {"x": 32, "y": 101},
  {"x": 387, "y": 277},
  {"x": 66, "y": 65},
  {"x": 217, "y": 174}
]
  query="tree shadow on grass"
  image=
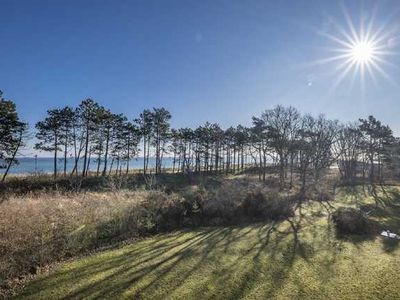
[
  {"x": 145, "y": 251},
  {"x": 222, "y": 262},
  {"x": 390, "y": 245},
  {"x": 388, "y": 215},
  {"x": 384, "y": 214}
]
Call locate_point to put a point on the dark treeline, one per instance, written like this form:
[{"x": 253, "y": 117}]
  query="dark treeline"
[{"x": 296, "y": 146}]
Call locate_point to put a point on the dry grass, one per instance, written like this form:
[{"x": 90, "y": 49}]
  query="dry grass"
[
  {"x": 36, "y": 230},
  {"x": 39, "y": 229}
]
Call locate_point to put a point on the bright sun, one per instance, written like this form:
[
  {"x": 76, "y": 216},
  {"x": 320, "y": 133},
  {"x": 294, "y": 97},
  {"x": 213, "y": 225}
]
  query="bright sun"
[
  {"x": 359, "y": 51},
  {"x": 362, "y": 52}
]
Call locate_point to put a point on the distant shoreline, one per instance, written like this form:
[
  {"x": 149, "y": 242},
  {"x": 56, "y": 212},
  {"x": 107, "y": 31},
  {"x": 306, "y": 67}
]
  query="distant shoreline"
[{"x": 28, "y": 166}]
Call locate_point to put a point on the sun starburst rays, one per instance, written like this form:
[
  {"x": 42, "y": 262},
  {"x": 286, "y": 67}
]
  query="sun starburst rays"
[{"x": 359, "y": 51}]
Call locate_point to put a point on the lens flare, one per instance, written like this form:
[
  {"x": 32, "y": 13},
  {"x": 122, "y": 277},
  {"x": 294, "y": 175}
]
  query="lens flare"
[
  {"x": 359, "y": 50},
  {"x": 362, "y": 52}
]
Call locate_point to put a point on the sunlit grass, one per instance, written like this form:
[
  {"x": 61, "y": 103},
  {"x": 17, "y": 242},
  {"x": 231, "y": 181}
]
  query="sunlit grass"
[{"x": 255, "y": 262}]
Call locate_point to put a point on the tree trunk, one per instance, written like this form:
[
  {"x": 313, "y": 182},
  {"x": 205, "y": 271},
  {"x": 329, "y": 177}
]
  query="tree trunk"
[
  {"x": 106, "y": 153},
  {"x": 144, "y": 154},
  {"x": 65, "y": 154},
  {"x": 55, "y": 155},
  {"x": 88, "y": 163},
  {"x": 117, "y": 168},
  {"x": 112, "y": 162},
  {"x": 86, "y": 151},
  {"x": 128, "y": 157},
  {"x": 12, "y": 158}
]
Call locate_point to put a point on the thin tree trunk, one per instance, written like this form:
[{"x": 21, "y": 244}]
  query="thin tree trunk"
[
  {"x": 55, "y": 155},
  {"x": 65, "y": 154},
  {"x": 128, "y": 158},
  {"x": 98, "y": 164},
  {"x": 112, "y": 162},
  {"x": 117, "y": 168},
  {"x": 144, "y": 154},
  {"x": 106, "y": 153},
  {"x": 88, "y": 163},
  {"x": 86, "y": 151},
  {"x": 12, "y": 158}
]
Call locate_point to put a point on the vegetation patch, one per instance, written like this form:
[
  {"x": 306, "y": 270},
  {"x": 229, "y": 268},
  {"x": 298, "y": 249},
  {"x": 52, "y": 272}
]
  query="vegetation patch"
[
  {"x": 262, "y": 261},
  {"x": 349, "y": 220},
  {"x": 271, "y": 206}
]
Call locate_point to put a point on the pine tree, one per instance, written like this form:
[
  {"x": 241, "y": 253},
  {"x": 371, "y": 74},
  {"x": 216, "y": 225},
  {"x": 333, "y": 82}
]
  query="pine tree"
[
  {"x": 49, "y": 132},
  {"x": 12, "y": 131}
]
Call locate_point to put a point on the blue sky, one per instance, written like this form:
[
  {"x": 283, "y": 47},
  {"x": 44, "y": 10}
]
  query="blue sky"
[{"x": 221, "y": 61}]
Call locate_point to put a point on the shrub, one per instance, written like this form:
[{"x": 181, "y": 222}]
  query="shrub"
[
  {"x": 238, "y": 200},
  {"x": 161, "y": 212},
  {"x": 193, "y": 202},
  {"x": 254, "y": 205},
  {"x": 351, "y": 221},
  {"x": 221, "y": 206},
  {"x": 271, "y": 206}
]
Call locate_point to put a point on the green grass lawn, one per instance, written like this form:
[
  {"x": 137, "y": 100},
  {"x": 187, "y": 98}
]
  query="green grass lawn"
[{"x": 302, "y": 259}]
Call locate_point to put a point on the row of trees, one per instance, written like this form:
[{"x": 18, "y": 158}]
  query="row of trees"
[
  {"x": 88, "y": 132},
  {"x": 293, "y": 145}
]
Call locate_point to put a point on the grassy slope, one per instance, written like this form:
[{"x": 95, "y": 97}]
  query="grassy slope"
[{"x": 254, "y": 262}]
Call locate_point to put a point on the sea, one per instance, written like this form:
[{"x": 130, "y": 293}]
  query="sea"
[{"x": 45, "y": 165}]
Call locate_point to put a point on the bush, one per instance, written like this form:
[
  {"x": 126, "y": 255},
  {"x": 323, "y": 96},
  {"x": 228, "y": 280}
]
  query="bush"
[
  {"x": 254, "y": 205},
  {"x": 237, "y": 201},
  {"x": 271, "y": 206},
  {"x": 161, "y": 212},
  {"x": 351, "y": 221},
  {"x": 220, "y": 207}
]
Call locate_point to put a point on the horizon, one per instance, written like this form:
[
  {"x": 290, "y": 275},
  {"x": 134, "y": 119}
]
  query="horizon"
[{"x": 218, "y": 61}]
